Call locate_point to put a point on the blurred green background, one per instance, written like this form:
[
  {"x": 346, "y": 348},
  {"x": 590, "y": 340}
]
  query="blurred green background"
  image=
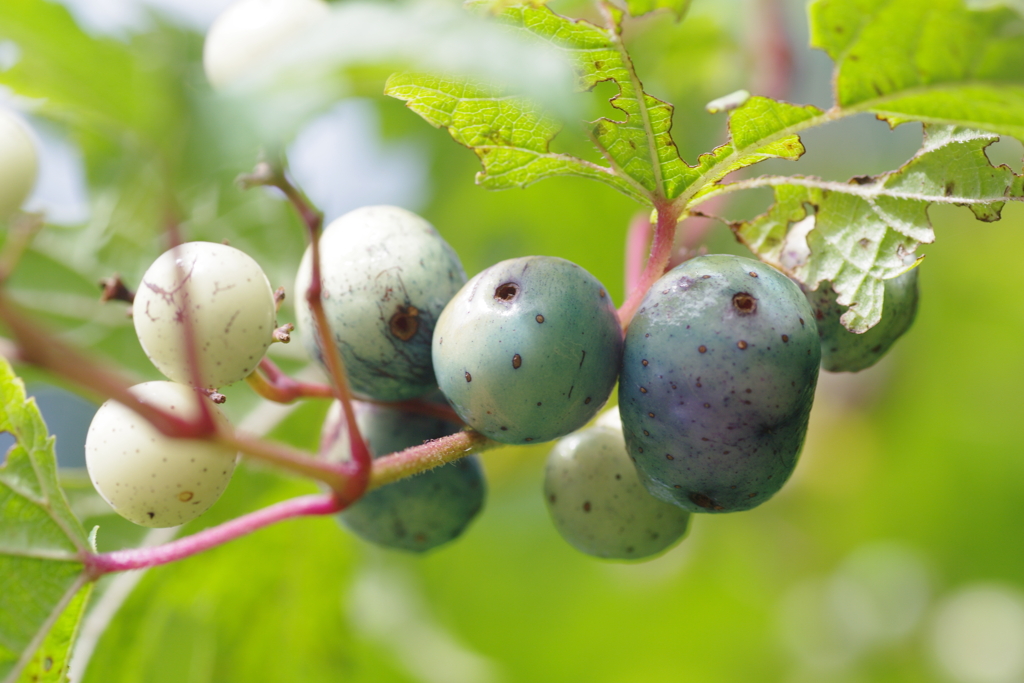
[{"x": 895, "y": 553}]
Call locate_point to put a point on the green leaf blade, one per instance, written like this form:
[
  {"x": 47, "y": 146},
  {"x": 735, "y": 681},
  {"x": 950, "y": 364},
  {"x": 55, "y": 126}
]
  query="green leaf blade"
[
  {"x": 512, "y": 136},
  {"x": 40, "y": 541},
  {"x": 50, "y": 662},
  {"x": 759, "y": 129},
  {"x": 936, "y": 62}
]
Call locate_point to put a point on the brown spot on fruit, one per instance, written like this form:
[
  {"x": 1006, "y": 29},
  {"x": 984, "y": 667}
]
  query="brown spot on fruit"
[
  {"x": 669, "y": 456},
  {"x": 587, "y": 401},
  {"x": 744, "y": 303},
  {"x": 741, "y": 344},
  {"x": 469, "y": 377},
  {"x": 644, "y": 363},
  {"x": 540, "y": 318},
  {"x": 151, "y": 514},
  {"x": 405, "y": 322},
  {"x": 517, "y": 360},
  {"x": 785, "y": 338},
  {"x": 650, "y": 414},
  {"x": 702, "y": 348},
  {"x": 185, "y": 496},
  {"x": 551, "y": 498},
  {"x": 753, "y": 274},
  {"x": 643, "y": 390},
  {"x": 586, "y": 506},
  {"x": 507, "y": 291},
  {"x": 701, "y": 500}
]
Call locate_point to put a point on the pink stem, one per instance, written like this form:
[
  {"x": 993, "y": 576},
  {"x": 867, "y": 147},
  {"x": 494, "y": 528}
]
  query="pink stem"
[
  {"x": 661, "y": 251},
  {"x": 638, "y": 241},
  {"x": 141, "y": 558}
]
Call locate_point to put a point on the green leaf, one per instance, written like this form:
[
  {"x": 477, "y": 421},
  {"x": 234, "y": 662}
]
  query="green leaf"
[
  {"x": 80, "y": 78},
  {"x": 759, "y": 129},
  {"x": 512, "y": 137},
  {"x": 927, "y": 60},
  {"x": 50, "y": 661},
  {"x": 859, "y": 233},
  {"x": 509, "y": 134},
  {"x": 40, "y": 540},
  {"x": 638, "y": 8}
]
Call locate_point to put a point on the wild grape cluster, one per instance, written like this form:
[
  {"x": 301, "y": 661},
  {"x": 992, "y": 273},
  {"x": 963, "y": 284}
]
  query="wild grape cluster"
[
  {"x": 716, "y": 376},
  {"x": 716, "y": 372}
]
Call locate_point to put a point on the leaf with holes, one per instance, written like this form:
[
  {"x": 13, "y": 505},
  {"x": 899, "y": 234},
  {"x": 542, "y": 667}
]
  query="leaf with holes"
[
  {"x": 927, "y": 60},
  {"x": 512, "y": 137},
  {"x": 859, "y": 233},
  {"x": 44, "y": 585}
]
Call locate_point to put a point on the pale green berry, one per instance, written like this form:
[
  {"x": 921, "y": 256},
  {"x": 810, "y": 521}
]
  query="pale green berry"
[
  {"x": 152, "y": 479},
  {"x": 229, "y": 302},
  {"x": 19, "y": 164},
  {"x": 249, "y": 31},
  {"x": 598, "y": 503}
]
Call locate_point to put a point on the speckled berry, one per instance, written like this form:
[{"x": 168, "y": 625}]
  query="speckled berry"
[
  {"x": 387, "y": 275},
  {"x": 844, "y": 351},
  {"x": 598, "y": 503},
  {"x": 418, "y": 513},
  {"x": 718, "y": 376},
  {"x": 249, "y": 32},
  {"x": 229, "y": 301},
  {"x": 148, "y": 478},
  {"x": 19, "y": 163},
  {"x": 528, "y": 350}
]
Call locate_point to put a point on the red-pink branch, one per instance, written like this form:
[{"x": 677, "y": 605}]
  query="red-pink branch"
[
  {"x": 139, "y": 558},
  {"x": 657, "y": 262}
]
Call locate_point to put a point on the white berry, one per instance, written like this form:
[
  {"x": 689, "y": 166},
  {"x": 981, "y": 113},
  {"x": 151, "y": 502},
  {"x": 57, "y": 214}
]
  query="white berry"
[
  {"x": 250, "y": 30},
  {"x": 228, "y": 300},
  {"x": 19, "y": 164},
  {"x": 152, "y": 479}
]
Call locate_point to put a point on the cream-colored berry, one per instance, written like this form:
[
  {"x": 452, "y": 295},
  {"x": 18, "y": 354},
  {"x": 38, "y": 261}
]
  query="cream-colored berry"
[
  {"x": 152, "y": 479},
  {"x": 248, "y": 31},
  {"x": 230, "y": 304},
  {"x": 19, "y": 164}
]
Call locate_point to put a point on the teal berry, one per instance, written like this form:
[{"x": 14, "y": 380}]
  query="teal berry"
[
  {"x": 844, "y": 351},
  {"x": 418, "y": 513},
  {"x": 598, "y": 503},
  {"x": 387, "y": 275},
  {"x": 718, "y": 376},
  {"x": 528, "y": 350}
]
